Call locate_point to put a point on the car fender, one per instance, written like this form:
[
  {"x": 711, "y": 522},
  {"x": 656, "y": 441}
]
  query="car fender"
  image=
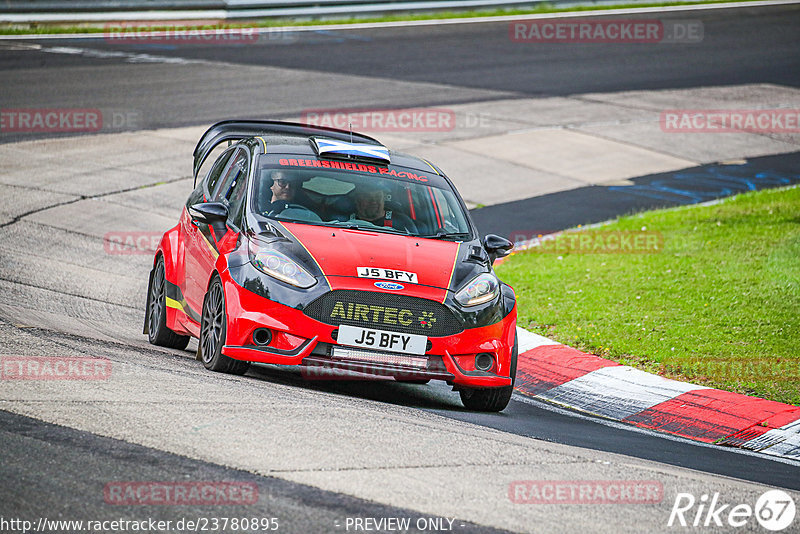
[
  {"x": 227, "y": 244},
  {"x": 168, "y": 248},
  {"x": 509, "y": 298},
  {"x": 510, "y": 336}
]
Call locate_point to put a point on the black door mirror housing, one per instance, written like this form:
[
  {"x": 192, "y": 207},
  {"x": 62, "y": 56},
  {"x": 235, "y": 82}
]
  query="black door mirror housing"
[
  {"x": 209, "y": 212},
  {"x": 214, "y": 214},
  {"x": 497, "y": 246}
]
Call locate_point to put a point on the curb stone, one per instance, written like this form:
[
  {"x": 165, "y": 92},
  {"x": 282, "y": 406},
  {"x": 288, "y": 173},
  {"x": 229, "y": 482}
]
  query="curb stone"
[{"x": 563, "y": 375}]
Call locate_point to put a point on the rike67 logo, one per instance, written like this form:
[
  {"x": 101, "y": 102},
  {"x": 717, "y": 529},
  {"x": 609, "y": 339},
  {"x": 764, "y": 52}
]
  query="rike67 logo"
[{"x": 774, "y": 510}]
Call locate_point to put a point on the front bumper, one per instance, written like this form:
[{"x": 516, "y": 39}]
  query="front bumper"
[{"x": 300, "y": 340}]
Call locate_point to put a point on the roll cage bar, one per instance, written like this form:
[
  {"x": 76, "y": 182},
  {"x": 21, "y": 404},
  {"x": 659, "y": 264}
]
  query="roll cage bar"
[{"x": 236, "y": 129}]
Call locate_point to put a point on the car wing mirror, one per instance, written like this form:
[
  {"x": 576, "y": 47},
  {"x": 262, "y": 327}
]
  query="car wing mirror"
[
  {"x": 211, "y": 213},
  {"x": 497, "y": 246}
]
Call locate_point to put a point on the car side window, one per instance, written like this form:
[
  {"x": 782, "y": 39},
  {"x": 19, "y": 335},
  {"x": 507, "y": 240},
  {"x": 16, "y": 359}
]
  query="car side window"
[
  {"x": 236, "y": 172},
  {"x": 235, "y": 200},
  {"x": 201, "y": 190},
  {"x": 211, "y": 181}
]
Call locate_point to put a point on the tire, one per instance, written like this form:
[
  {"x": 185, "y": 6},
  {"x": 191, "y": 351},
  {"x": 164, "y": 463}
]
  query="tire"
[
  {"x": 157, "y": 331},
  {"x": 491, "y": 399},
  {"x": 213, "y": 330}
]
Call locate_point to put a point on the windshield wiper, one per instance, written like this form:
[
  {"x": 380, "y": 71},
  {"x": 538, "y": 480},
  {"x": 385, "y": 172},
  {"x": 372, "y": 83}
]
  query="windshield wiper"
[{"x": 442, "y": 234}]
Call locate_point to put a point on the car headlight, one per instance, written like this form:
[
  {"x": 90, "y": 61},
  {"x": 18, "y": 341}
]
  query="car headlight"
[
  {"x": 280, "y": 266},
  {"x": 480, "y": 289}
]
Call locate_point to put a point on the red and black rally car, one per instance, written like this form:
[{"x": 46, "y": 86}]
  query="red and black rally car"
[{"x": 321, "y": 248}]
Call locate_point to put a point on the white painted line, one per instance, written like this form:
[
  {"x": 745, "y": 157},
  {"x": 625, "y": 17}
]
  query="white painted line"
[
  {"x": 786, "y": 448},
  {"x": 128, "y": 57},
  {"x": 617, "y": 392},
  {"x": 183, "y": 15},
  {"x": 528, "y": 340},
  {"x": 792, "y": 427},
  {"x": 783, "y": 441},
  {"x": 546, "y": 16},
  {"x": 765, "y": 440}
]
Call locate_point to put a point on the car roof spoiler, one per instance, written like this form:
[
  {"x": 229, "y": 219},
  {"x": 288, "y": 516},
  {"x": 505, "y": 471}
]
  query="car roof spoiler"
[{"x": 236, "y": 129}]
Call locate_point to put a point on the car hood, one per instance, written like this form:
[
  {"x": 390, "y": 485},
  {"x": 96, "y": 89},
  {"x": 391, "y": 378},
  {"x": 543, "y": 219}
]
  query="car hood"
[{"x": 340, "y": 252}]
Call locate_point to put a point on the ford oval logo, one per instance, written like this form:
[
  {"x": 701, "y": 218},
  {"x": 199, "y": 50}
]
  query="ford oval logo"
[{"x": 391, "y": 286}]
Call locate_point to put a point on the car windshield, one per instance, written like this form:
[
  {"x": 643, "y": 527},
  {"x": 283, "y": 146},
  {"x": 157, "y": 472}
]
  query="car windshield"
[{"x": 387, "y": 199}]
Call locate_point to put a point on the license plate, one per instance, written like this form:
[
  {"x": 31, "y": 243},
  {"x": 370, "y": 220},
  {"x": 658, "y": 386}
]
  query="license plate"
[
  {"x": 356, "y": 336},
  {"x": 387, "y": 274}
]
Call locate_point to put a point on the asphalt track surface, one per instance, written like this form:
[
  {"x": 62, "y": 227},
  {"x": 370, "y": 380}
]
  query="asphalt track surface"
[
  {"x": 86, "y": 462},
  {"x": 594, "y": 204},
  {"x": 462, "y": 63}
]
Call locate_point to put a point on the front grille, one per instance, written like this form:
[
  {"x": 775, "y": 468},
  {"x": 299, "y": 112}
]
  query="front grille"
[{"x": 384, "y": 311}]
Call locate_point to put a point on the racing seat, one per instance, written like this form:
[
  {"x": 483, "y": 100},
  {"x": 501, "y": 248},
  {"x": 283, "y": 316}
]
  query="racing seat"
[
  {"x": 341, "y": 208},
  {"x": 400, "y": 220}
]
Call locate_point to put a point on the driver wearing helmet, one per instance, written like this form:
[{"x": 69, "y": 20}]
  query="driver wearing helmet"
[{"x": 283, "y": 192}]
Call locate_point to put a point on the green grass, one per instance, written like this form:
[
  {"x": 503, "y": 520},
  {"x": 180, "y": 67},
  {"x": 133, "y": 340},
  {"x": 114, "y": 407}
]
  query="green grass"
[
  {"x": 719, "y": 305},
  {"x": 544, "y": 8}
]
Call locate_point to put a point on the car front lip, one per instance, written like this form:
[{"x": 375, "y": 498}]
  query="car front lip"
[{"x": 248, "y": 311}]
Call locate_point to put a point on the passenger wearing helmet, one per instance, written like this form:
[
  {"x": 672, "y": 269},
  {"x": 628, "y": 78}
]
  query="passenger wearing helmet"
[{"x": 370, "y": 204}]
